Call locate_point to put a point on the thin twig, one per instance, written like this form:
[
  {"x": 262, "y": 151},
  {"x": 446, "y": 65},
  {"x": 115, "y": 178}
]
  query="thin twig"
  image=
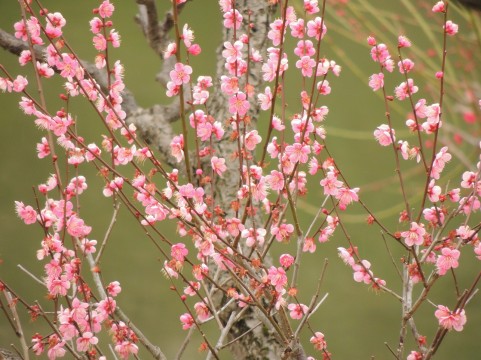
[
  {"x": 31, "y": 275},
  {"x": 108, "y": 232},
  {"x": 16, "y": 318}
]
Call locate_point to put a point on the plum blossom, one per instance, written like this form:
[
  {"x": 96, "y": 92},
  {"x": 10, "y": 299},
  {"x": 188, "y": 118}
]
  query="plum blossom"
[
  {"x": 318, "y": 341},
  {"x": 450, "y": 319},
  {"x": 251, "y": 140},
  {"x": 297, "y": 311},
  {"x": 376, "y": 81},
  {"x": 277, "y": 278},
  {"x": 218, "y": 165},
  {"x": 26, "y": 213},
  {"x": 405, "y": 89},
  {"x": 439, "y": 7},
  {"x": 265, "y": 99},
  {"x": 451, "y": 28},
  {"x": 447, "y": 260},
  {"x": 286, "y": 260},
  {"x": 415, "y": 235},
  {"x": 362, "y": 272},
  {"x": 384, "y": 135},
  {"x": 232, "y": 52},
  {"x": 314, "y": 28},
  {"x": 238, "y": 104},
  {"x": 180, "y": 74},
  {"x": 187, "y": 321},
  {"x": 202, "y": 311}
]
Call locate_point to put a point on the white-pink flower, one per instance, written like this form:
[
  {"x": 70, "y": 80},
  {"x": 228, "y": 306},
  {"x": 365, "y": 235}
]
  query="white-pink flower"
[
  {"x": 415, "y": 235},
  {"x": 450, "y": 319},
  {"x": 384, "y": 135},
  {"x": 447, "y": 260},
  {"x": 180, "y": 74}
]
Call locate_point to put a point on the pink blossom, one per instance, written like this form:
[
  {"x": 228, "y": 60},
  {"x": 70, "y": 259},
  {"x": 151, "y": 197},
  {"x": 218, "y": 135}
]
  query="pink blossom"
[
  {"x": 277, "y": 278},
  {"x": 297, "y": 28},
  {"x": 187, "y": 321},
  {"x": 113, "y": 186},
  {"x": 229, "y": 85},
  {"x": 232, "y": 18},
  {"x": 383, "y": 135},
  {"x": 177, "y": 147},
  {"x": 305, "y": 48},
  {"x": 306, "y": 64},
  {"x": 251, "y": 139},
  {"x": 44, "y": 70},
  {"x": 442, "y": 157},
  {"x": 362, "y": 272},
  {"x": 58, "y": 286},
  {"x": 114, "y": 288},
  {"x": 187, "y": 36},
  {"x": 265, "y": 99},
  {"x": 254, "y": 237},
  {"x": 19, "y": 84},
  {"x": 434, "y": 191},
  {"x": 450, "y": 319},
  {"x": 96, "y": 25},
  {"x": 76, "y": 227},
  {"x": 170, "y": 50},
  {"x": 55, "y": 348},
  {"x": 282, "y": 232},
  {"x": 275, "y": 32},
  {"x": 87, "y": 339},
  {"x": 380, "y": 53},
  {"x": 451, "y": 28},
  {"x": 346, "y": 196},
  {"x": 311, "y": 6},
  {"x": 330, "y": 183},
  {"x": 376, "y": 81},
  {"x": 314, "y": 28},
  {"x": 232, "y": 52},
  {"x": 415, "y": 355},
  {"x": 218, "y": 165},
  {"x": 434, "y": 216},
  {"x": 403, "y": 41},
  {"x": 477, "y": 250},
  {"x": 26, "y": 213},
  {"x": 238, "y": 104},
  {"x": 68, "y": 66},
  {"x": 179, "y": 252},
  {"x": 125, "y": 348},
  {"x": 202, "y": 311},
  {"x": 180, "y": 74},
  {"x": 309, "y": 245},
  {"x": 297, "y": 311},
  {"x": 88, "y": 246},
  {"x": 318, "y": 341},
  {"x": 447, "y": 260},
  {"x": 275, "y": 180},
  {"x": 298, "y": 153},
  {"x": 323, "y": 87},
  {"x": 194, "y": 49},
  {"x": 405, "y": 89},
  {"x": 286, "y": 260},
  {"x": 439, "y": 7},
  {"x": 415, "y": 235},
  {"x": 106, "y": 9},
  {"x": 469, "y": 179},
  {"x": 405, "y": 66}
]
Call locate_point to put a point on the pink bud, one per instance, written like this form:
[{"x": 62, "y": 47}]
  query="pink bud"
[{"x": 194, "y": 49}]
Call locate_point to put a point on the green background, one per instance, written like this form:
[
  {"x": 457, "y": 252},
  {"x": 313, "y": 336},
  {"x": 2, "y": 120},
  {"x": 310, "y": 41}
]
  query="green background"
[{"x": 356, "y": 321}]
